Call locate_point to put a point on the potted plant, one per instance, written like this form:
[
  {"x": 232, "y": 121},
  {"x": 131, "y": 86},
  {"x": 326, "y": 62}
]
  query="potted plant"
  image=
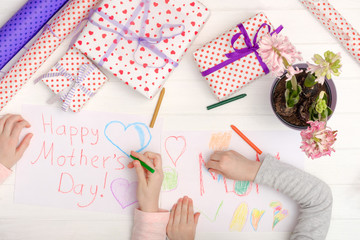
[{"x": 303, "y": 96}]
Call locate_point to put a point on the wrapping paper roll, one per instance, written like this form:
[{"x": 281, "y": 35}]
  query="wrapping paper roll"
[
  {"x": 336, "y": 24},
  {"x": 24, "y": 25},
  {"x": 54, "y": 34}
]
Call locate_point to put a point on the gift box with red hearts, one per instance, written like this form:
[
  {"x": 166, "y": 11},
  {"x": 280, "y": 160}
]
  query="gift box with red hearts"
[
  {"x": 74, "y": 79},
  {"x": 230, "y": 61},
  {"x": 141, "y": 41}
]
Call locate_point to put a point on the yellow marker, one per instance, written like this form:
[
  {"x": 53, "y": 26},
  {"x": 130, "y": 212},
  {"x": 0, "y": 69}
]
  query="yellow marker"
[{"x": 157, "y": 108}]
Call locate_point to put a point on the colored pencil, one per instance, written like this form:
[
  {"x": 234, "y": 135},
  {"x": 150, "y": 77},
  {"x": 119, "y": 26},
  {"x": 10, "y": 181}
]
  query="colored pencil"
[
  {"x": 157, "y": 108},
  {"x": 226, "y": 101},
  {"x": 143, "y": 164},
  {"x": 246, "y": 139}
]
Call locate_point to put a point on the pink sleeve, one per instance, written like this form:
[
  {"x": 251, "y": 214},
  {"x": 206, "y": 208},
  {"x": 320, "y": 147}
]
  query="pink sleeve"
[
  {"x": 150, "y": 226},
  {"x": 4, "y": 173}
]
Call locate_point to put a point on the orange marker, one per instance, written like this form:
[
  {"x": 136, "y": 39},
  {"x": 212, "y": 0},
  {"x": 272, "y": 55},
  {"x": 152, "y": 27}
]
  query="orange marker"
[{"x": 246, "y": 139}]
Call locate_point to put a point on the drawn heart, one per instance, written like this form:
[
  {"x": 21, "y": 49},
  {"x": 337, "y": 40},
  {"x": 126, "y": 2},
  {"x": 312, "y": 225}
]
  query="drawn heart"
[
  {"x": 128, "y": 137},
  {"x": 124, "y": 192},
  {"x": 175, "y": 147}
]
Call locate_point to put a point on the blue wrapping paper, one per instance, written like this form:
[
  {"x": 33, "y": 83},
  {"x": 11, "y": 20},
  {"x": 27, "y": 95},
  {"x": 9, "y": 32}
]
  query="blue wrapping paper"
[{"x": 24, "y": 25}]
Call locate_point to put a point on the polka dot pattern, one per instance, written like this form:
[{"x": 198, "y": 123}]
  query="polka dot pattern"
[
  {"x": 71, "y": 62},
  {"x": 136, "y": 67},
  {"x": 336, "y": 24},
  {"x": 24, "y": 25},
  {"x": 45, "y": 45},
  {"x": 231, "y": 78}
]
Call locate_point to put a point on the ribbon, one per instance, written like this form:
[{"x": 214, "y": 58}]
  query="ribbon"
[
  {"x": 252, "y": 47},
  {"x": 141, "y": 39},
  {"x": 82, "y": 74},
  {"x": 47, "y": 27}
]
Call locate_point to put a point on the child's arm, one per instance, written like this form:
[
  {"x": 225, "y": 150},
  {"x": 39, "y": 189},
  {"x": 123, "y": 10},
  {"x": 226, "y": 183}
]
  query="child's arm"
[
  {"x": 149, "y": 221},
  {"x": 10, "y": 151},
  {"x": 313, "y": 196}
]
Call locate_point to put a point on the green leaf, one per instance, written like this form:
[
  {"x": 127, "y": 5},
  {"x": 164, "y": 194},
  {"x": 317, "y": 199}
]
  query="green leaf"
[
  {"x": 292, "y": 97},
  {"x": 330, "y": 111},
  {"x": 310, "y": 80},
  {"x": 288, "y": 85},
  {"x": 287, "y": 93}
]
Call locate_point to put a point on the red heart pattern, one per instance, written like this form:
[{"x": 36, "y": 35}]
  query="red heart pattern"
[{"x": 140, "y": 61}]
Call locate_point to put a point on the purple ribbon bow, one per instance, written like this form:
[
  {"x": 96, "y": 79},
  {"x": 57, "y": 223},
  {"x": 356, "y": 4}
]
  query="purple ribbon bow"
[
  {"x": 84, "y": 71},
  {"x": 252, "y": 47},
  {"x": 141, "y": 39}
]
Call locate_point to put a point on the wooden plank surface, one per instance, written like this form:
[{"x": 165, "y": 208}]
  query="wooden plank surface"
[{"x": 184, "y": 109}]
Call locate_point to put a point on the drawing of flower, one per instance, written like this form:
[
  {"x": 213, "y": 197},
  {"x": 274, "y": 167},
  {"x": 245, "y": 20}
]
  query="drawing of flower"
[{"x": 317, "y": 140}]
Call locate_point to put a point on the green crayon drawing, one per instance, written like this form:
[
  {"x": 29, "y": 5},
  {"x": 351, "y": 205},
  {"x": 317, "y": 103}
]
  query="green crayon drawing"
[
  {"x": 241, "y": 187},
  {"x": 170, "y": 181},
  {"x": 216, "y": 214}
]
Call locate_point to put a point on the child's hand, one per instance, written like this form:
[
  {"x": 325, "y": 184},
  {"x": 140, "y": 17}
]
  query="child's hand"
[
  {"x": 149, "y": 184},
  {"x": 10, "y": 129},
  {"x": 233, "y": 165},
  {"x": 182, "y": 221}
]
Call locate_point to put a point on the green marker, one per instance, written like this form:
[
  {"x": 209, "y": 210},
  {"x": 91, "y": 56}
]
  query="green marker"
[
  {"x": 143, "y": 164},
  {"x": 226, "y": 101}
]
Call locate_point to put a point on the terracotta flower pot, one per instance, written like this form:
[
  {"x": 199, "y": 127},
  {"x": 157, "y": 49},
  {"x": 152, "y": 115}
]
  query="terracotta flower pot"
[{"x": 329, "y": 88}]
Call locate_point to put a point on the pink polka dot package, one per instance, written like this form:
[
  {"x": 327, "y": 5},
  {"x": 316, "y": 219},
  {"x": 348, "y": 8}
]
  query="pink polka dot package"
[
  {"x": 75, "y": 79},
  {"x": 230, "y": 62},
  {"x": 141, "y": 41}
]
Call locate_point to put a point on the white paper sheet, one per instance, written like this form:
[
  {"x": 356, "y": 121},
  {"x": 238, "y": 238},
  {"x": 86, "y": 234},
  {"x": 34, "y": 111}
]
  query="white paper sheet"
[
  {"x": 80, "y": 160},
  {"x": 184, "y": 154}
]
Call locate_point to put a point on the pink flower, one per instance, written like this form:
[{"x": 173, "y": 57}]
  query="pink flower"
[
  {"x": 274, "y": 50},
  {"x": 291, "y": 71},
  {"x": 317, "y": 140}
]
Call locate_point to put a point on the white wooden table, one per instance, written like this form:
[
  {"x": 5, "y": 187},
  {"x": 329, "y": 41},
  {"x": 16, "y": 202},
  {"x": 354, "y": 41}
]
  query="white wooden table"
[{"x": 184, "y": 109}]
